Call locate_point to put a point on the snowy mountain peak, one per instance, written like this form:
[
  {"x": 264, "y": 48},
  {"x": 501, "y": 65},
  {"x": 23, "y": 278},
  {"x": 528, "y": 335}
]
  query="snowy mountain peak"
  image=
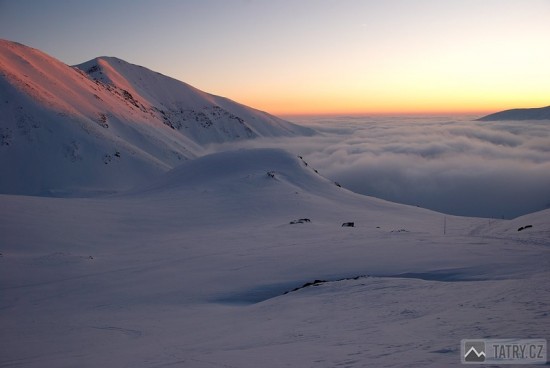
[
  {"x": 107, "y": 124},
  {"x": 203, "y": 117}
]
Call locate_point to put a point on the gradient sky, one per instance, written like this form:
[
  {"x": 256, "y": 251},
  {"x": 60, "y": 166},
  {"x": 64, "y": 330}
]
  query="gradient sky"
[{"x": 313, "y": 56}]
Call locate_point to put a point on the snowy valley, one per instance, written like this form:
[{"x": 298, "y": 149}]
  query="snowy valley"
[{"x": 198, "y": 259}]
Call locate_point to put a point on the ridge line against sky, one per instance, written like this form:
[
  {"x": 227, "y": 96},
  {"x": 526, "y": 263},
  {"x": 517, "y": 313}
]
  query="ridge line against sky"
[{"x": 313, "y": 56}]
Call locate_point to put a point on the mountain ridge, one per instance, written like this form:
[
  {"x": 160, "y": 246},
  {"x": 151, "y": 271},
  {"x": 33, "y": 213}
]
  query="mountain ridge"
[
  {"x": 537, "y": 113},
  {"x": 67, "y": 132},
  {"x": 178, "y": 104}
]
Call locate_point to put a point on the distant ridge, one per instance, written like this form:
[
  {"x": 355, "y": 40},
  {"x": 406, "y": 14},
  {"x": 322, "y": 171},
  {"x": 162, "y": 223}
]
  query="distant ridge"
[{"x": 540, "y": 113}]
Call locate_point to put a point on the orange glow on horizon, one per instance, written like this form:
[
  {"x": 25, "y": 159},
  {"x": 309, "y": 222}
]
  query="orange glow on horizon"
[
  {"x": 317, "y": 57},
  {"x": 467, "y": 60},
  {"x": 437, "y": 86},
  {"x": 301, "y": 107}
]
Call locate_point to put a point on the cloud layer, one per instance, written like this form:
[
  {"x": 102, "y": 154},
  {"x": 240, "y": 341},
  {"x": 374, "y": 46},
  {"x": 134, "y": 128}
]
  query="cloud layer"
[{"x": 487, "y": 169}]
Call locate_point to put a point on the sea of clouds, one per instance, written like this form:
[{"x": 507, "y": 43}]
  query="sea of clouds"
[{"x": 455, "y": 165}]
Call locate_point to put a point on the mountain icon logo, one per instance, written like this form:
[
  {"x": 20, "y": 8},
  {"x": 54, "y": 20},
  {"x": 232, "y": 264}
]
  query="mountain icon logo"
[{"x": 475, "y": 351}]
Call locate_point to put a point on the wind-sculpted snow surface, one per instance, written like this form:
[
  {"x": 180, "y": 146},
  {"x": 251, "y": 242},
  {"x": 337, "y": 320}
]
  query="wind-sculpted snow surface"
[
  {"x": 191, "y": 270},
  {"x": 64, "y": 132}
]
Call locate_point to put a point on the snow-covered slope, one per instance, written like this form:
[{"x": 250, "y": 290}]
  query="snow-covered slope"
[
  {"x": 234, "y": 259},
  {"x": 249, "y": 188},
  {"x": 276, "y": 185},
  {"x": 540, "y": 113},
  {"x": 201, "y": 116},
  {"x": 64, "y": 133},
  {"x": 192, "y": 270}
]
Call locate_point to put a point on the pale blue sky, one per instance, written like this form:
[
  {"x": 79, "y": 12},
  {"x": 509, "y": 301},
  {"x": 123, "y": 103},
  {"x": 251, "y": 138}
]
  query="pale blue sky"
[{"x": 288, "y": 55}]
